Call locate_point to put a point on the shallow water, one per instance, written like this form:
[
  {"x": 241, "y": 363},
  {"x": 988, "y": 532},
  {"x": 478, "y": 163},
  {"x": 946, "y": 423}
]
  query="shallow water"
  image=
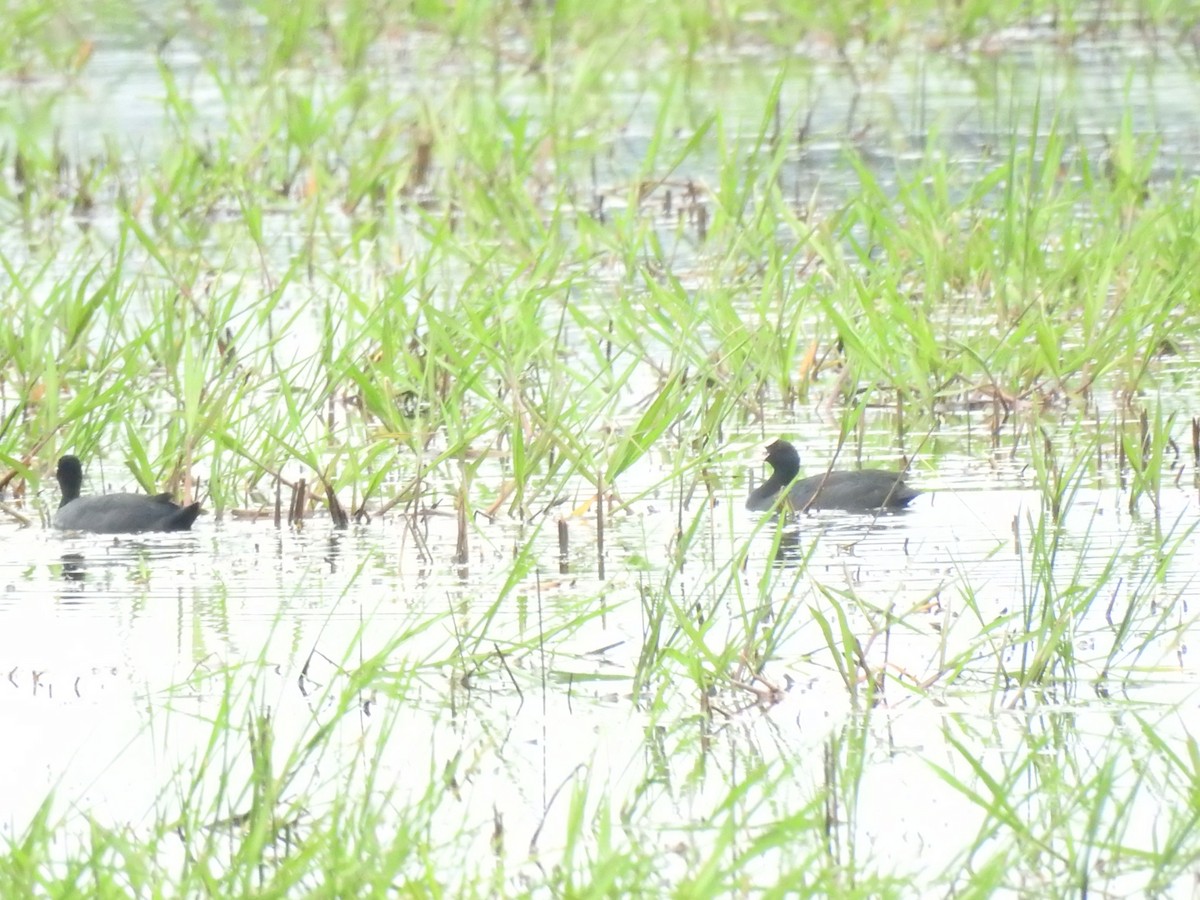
[
  {"x": 116, "y": 649},
  {"x": 109, "y": 642}
]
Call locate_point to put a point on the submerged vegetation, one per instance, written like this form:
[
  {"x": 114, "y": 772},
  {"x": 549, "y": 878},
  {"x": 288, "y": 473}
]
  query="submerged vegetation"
[{"x": 521, "y": 287}]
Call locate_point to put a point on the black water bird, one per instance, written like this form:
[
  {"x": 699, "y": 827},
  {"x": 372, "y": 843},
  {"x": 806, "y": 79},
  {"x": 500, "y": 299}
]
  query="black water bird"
[
  {"x": 861, "y": 491},
  {"x": 115, "y": 513}
]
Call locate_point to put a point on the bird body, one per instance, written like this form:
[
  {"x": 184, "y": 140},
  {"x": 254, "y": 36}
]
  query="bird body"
[
  {"x": 860, "y": 491},
  {"x": 115, "y": 513}
]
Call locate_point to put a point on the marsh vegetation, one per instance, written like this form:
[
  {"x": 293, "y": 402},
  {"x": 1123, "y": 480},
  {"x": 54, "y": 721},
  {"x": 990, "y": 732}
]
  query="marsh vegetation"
[{"x": 467, "y": 324}]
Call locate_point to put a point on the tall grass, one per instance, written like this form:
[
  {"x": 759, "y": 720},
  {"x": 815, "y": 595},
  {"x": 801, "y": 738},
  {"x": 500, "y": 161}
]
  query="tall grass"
[{"x": 551, "y": 270}]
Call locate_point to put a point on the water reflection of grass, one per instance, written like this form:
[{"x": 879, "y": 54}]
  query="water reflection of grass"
[{"x": 540, "y": 264}]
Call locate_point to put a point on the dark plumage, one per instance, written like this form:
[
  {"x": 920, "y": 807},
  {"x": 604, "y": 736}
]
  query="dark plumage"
[
  {"x": 115, "y": 513},
  {"x": 860, "y": 491}
]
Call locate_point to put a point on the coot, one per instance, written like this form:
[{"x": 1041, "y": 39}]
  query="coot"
[
  {"x": 115, "y": 513},
  {"x": 860, "y": 491}
]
